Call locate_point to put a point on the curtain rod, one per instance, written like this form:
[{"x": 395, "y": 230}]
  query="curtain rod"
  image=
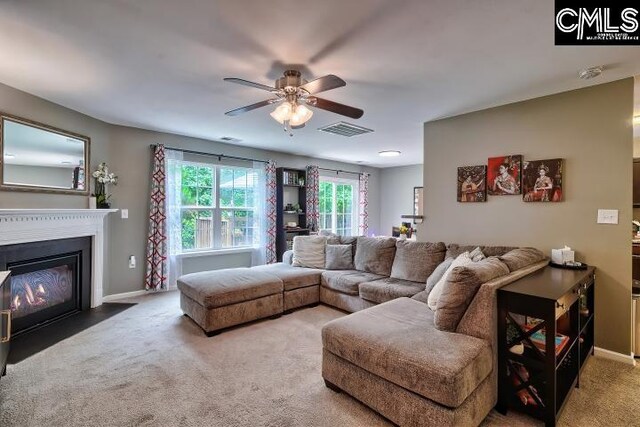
[
  {"x": 219, "y": 156},
  {"x": 342, "y": 171}
]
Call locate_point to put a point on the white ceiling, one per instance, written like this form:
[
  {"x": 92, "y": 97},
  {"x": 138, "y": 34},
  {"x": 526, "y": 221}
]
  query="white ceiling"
[{"x": 159, "y": 64}]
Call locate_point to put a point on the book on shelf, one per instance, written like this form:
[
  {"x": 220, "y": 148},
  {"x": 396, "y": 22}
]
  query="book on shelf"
[{"x": 539, "y": 339}]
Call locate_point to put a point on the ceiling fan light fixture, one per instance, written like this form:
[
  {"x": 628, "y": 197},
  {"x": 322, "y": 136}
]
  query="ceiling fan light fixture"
[
  {"x": 282, "y": 113},
  {"x": 300, "y": 116}
]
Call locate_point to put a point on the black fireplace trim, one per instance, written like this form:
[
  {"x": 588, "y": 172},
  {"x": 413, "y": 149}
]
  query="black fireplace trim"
[{"x": 18, "y": 255}]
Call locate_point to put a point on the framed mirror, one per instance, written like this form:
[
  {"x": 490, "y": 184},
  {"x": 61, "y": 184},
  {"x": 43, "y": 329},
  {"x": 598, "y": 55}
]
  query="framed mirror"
[
  {"x": 418, "y": 205},
  {"x": 41, "y": 158}
]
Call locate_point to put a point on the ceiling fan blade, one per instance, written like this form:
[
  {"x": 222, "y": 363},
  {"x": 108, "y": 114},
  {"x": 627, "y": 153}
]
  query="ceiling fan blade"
[
  {"x": 246, "y": 108},
  {"x": 334, "y": 107},
  {"x": 248, "y": 83},
  {"x": 322, "y": 84}
]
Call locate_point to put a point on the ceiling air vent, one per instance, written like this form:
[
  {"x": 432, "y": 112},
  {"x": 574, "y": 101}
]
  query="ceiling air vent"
[
  {"x": 345, "y": 129},
  {"x": 230, "y": 139}
]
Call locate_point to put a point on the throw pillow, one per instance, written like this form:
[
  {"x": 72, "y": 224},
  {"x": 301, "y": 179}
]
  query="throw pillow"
[
  {"x": 476, "y": 255},
  {"x": 460, "y": 288},
  {"x": 308, "y": 251},
  {"x": 462, "y": 260},
  {"x": 521, "y": 257},
  {"x": 437, "y": 274},
  {"x": 375, "y": 254},
  {"x": 339, "y": 257},
  {"x": 415, "y": 261}
]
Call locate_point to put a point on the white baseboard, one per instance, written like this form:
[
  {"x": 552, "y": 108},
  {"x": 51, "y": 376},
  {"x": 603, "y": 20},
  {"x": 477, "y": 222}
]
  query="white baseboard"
[
  {"x": 116, "y": 297},
  {"x": 618, "y": 357}
]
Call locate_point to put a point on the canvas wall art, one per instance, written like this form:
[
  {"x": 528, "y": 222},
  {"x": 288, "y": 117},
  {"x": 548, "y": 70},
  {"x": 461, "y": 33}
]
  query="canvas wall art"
[
  {"x": 472, "y": 184},
  {"x": 542, "y": 180},
  {"x": 504, "y": 175}
]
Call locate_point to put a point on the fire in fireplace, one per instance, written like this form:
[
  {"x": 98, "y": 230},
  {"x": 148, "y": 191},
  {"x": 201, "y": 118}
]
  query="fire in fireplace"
[
  {"x": 39, "y": 290},
  {"x": 50, "y": 280}
]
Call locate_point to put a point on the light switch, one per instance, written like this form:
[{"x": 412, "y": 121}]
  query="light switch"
[
  {"x": 132, "y": 261},
  {"x": 124, "y": 213},
  {"x": 607, "y": 216}
]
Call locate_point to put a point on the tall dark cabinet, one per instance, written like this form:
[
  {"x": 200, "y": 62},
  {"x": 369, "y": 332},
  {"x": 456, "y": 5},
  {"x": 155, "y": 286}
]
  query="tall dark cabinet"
[
  {"x": 545, "y": 335},
  {"x": 291, "y": 196},
  {"x": 5, "y": 319}
]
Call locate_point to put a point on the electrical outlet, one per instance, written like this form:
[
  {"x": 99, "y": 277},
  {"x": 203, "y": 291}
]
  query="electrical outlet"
[
  {"x": 607, "y": 216},
  {"x": 132, "y": 261}
]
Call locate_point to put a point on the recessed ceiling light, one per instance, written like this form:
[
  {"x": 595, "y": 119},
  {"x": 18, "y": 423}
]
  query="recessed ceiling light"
[
  {"x": 389, "y": 153},
  {"x": 66, "y": 163},
  {"x": 9, "y": 156},
  {"x": 590, "y": 73}
]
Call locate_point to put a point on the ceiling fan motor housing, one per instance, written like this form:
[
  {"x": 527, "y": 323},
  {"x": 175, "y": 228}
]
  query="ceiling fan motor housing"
[{"x": 290, "y": 82}]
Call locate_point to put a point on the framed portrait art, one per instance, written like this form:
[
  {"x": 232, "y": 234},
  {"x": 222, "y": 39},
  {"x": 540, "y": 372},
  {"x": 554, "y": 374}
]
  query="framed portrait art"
[
  {"x": 542, "y": 180},
  {"x": 472, "y": 184},
  {"x": 504, "y": 175}
]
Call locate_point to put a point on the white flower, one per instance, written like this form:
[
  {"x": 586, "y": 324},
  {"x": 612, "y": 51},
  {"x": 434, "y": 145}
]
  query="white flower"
[{"x": 96, "y": 174}]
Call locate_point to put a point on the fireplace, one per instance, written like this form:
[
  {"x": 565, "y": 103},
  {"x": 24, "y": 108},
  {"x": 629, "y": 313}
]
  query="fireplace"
[{"x": 50, "y": 280}]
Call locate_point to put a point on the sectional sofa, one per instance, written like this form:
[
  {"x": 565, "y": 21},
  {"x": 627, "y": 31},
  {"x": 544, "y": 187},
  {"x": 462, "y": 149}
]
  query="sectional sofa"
[{"x": 413, "y": 365}]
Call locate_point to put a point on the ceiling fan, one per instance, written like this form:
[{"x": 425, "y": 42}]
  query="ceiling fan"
[{"x": 293, "y": 94}]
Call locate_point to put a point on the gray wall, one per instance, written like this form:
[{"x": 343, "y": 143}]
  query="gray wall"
[
  {"x": 396, "y": 194},
  {"x": 591, "y": 129},
  {"x": 130, "y": 158},
  {"x": 38, "y": 175}
]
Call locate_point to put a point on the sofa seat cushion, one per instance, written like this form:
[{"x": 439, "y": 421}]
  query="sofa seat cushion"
[
  {"x": 346, "y": 281},
  {"x": 219, "y": 288},
  {"x": 386, "y": 289},
  {"x": 398, "y": 342},
  {"x": 292, "y": 277}
]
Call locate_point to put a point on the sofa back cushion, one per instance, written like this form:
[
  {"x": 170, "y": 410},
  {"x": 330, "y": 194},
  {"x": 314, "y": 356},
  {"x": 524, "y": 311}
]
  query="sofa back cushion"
[
  {"x": 338, "y": 257},
  {"x": 415, "y": 261},
  {"x": 375, "y": 254},
  {"x": 522, "y": 257},
  {"x": 309, "y": 251},
  {"x": 461, "y": 286},
  {"x": 454, "y": 249}
]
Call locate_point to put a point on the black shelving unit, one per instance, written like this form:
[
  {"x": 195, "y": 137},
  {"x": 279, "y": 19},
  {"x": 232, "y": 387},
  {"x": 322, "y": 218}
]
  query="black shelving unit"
[
  {"x": 548, "y": 317},
  {"x": 291, "y": 189}
]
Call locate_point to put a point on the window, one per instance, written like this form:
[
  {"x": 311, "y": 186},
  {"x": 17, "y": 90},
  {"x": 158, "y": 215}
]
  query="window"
[
  {"x": 218, "y": 207},
  {"x": 338, "y": 206}
]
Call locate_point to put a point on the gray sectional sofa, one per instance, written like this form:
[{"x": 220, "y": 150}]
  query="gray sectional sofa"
[{"x": 394, "y": 354}]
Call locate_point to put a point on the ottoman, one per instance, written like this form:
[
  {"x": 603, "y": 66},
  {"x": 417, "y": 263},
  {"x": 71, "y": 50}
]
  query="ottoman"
[
  {"x": 219, "y": 299},
  {"x": 301, "y": 285}
]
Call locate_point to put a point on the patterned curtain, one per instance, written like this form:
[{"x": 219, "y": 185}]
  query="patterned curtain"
[
  {"x": 270, "y": 211},
  {"x": 363, "y": 222},
  {"x": 313, "y": 190},
  {"x": 156, "y": 276}
]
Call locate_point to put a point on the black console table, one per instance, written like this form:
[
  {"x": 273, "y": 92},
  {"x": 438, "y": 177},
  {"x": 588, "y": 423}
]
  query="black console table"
[
  {"x": 5, "y": 319},
  {"x": 545, "y": 334}
]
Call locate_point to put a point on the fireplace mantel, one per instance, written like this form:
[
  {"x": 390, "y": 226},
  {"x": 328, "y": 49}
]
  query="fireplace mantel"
[{"x": 33, "y": 225}]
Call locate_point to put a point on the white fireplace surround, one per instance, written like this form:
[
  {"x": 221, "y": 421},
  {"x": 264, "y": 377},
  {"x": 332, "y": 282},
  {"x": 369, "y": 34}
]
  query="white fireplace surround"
[{"x": 36, "y": 225}]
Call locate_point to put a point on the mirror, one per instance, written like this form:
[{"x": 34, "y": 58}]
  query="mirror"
[
  {"x": 40, "y": 158},
  {"x": 417, "y": 205}
]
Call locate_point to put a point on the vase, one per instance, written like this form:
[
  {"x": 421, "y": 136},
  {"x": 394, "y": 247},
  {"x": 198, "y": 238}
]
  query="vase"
[
  {"x": 92, "y": 203},
  {"x": 103, "y": 205},
  {"x": 403, "y": 237}
]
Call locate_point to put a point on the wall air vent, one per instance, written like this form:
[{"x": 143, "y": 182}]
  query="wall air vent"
[{"x": 345, "y": 129}]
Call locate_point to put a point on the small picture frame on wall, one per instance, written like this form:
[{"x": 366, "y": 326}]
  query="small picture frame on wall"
[
  {"x": 472, "y": 184},
  {"x": 504, "y": 175},
  {"x": 542, "y": 180}
]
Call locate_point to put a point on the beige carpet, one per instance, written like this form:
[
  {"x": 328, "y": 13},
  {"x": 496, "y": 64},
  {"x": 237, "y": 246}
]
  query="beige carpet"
[{"x": 152, "y": 366}]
